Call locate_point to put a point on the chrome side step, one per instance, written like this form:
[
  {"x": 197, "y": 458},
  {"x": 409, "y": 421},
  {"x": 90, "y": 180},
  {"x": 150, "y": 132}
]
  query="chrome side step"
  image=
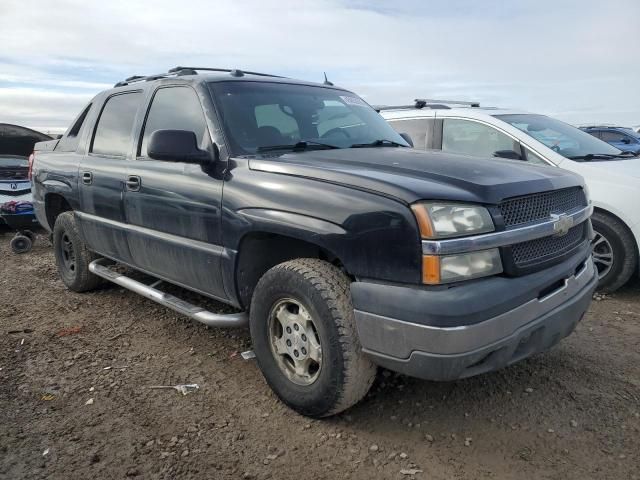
[{"x": 174, "y": 303}]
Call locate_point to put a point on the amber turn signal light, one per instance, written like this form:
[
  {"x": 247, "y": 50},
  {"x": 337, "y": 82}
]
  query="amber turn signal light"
[
  {"x": 430, "y": 269},
  {"x": 424, "y": 222}
]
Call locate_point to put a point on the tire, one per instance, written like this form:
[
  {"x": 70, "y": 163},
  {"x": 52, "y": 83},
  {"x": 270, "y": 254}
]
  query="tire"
[
  {"x": 72, "y": 256},
  {"x": 316, "y": 290},
  {"x": 614, "y": 252},
  {"x": 30, "y": 234},
  {"x": 21, "y": 244}
]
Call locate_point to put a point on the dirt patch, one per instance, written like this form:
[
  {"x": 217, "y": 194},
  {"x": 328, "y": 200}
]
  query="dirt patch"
[{"x": 75, "y": 402}]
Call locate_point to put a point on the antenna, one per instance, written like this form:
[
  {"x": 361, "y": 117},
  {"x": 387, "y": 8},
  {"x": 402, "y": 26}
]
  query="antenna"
[{"x": 326, "y": 81}]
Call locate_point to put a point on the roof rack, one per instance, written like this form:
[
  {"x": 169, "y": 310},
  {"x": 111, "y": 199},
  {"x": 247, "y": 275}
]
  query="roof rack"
[
  {"x": 180, "y": 71},
  {"x": 420, "y": 103}
]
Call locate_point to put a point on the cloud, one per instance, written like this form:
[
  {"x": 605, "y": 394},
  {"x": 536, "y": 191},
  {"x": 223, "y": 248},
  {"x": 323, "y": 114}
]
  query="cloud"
[{"x": 573, "y": 59}]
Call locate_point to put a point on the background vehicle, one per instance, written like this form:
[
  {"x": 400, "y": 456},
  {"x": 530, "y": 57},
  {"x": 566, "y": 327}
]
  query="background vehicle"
[
  {"x": 16, "y": 144},
  {"x": 298, "y": 205},
  {"x": 16, "y": 211},
  {"x": 613, "y": 177},
  {"x": 14, "y": 179},
  {"x": 625, "y": 139}
]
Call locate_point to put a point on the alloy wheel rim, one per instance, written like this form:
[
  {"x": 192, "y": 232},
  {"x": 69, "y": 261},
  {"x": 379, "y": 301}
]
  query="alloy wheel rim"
[
  {"x": 295, "y": 343},
  {"x": 68, "y": 253},
  {"x": 602, "y": 254}
]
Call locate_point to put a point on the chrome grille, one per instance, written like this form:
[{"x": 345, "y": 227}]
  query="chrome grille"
[
  {"x": 540, "y": 206},
  {"x": 541, "y": 249}
]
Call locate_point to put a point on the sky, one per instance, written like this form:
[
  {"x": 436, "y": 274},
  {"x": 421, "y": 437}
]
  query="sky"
[{"x": 574, "y": 60}]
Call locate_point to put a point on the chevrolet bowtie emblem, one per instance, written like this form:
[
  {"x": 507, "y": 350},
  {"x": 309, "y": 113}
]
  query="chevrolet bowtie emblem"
[{"x": 561, "y": 224}]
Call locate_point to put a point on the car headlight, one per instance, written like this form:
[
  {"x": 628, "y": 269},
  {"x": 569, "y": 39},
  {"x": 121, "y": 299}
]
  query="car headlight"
[
  {"x": 446, "y": 220},
  {"x": 439, "y": 220},
  {"x": 465, "y": 266}
]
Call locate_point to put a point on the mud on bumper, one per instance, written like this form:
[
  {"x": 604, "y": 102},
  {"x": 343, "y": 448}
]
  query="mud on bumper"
[{"x": 466, "y": 349}]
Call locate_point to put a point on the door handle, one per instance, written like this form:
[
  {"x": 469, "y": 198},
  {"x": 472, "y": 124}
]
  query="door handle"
[
  {"x": 133, "y": 183},
  {"x": 87, "y": 178}
]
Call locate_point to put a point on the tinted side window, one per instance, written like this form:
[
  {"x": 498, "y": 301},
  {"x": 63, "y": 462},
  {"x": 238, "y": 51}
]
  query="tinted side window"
[
  {"x": 176, "y": 108},
  {"x": 113, "y": 132},
  {"x": 473, "y": 138},
  {"x": 416, "y": 129},
  {"x": 609, "y": 136},
  {"x": 595, "y": 133}
]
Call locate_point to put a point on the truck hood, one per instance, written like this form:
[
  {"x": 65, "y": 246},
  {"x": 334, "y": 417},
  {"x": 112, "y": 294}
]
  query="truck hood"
[{"x": 410, "y": 175}]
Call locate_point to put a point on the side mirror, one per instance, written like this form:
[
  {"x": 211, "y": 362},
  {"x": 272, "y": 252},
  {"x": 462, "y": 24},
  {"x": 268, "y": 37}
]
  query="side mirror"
[
  {"x": 407, "y": 139},
  {"x": 510, "y": 154},
  {"x": 176, "y": 146},
  {"x": 626, "y": 141}
]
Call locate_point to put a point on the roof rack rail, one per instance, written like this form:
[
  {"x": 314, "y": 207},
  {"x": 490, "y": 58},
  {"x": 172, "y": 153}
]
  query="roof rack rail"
[
  {"x": 420, "y": 103},
  {"x": 180, "y": 71},
  {"x": 425, "y": 102},
  {"x": 233, "y": 71}
]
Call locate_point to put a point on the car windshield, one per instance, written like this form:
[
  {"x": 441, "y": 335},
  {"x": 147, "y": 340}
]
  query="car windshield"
[
  {"x": 263, "y": 116},
  {"x": 10, "y": 161},
  {"x": 561, "y": 137}
]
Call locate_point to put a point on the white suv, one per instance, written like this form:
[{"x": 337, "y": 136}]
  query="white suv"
[{"x": 613, "y": 177}]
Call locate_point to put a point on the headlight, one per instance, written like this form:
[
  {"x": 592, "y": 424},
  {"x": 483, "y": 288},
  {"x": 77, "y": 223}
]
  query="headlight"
[
  {"x": 446, "y": 220},
  {"x": 455, "y": 268}
]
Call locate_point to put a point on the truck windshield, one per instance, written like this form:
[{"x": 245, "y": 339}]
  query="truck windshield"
[
  {"x": 261, "y": 116},
  {"x": 563, "y": 138}
]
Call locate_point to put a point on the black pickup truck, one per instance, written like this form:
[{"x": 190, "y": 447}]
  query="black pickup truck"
[{"x": 339, "y": 245}]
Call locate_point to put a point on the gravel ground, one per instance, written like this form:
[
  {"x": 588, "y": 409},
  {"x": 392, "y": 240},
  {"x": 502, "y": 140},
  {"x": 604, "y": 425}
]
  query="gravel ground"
[{"x": 75, "y": 403}]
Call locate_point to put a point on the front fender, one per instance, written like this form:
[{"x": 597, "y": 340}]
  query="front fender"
[{"x": 371, "y": 235}]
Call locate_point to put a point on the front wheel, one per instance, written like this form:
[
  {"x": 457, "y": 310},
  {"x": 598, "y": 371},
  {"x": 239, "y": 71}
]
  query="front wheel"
[
  {"x": 305, "y": 339},
  {"x": 614, "y": 250}
]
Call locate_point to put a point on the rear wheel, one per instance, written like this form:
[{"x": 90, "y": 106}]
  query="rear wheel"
[
  {"x": 72, "y": 256},
  {"x": 614, "y": 250},
  {"x": 305, "y": 339}
]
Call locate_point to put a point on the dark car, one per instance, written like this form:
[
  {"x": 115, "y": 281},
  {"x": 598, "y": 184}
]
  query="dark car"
[
  {"x": 625, "y": 139},
  {"x": 342, "y": 248}
]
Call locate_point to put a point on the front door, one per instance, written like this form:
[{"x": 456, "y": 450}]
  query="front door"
[
  {"x": 101, "y": 177},
  {"x": 173, "y": 208}
]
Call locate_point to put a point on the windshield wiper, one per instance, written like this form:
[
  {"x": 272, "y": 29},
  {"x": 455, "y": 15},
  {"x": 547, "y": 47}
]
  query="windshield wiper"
[
  {"x": 593, "y": 156},
  {"x": 297, "y": 147},
  {"x": 378, "y": 143},
  {"x": 626, "y": 154}
]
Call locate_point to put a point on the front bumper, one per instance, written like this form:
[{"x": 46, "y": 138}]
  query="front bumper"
[{"x": 461, "y": 346}]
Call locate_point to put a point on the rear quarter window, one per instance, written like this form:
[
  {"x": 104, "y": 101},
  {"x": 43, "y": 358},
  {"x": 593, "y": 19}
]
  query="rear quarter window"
[{"x": 69, "y": 142}]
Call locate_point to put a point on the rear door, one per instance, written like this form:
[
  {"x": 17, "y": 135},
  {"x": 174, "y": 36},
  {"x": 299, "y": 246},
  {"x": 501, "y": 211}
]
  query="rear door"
[
  {"x": 102, "y": 175},
  {"x": 173, "y": 208}
]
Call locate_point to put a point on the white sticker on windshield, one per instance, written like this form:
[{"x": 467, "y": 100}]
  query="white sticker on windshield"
[{"x": 356, "y": 101}]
